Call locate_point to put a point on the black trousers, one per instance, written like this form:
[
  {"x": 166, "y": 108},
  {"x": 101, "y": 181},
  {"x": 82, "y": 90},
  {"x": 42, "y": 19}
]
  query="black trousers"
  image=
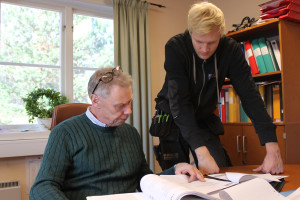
[{"x": 173, "y": 149}]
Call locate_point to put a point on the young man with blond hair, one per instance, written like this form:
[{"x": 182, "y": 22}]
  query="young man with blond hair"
[{"x": 197, "y": 63}]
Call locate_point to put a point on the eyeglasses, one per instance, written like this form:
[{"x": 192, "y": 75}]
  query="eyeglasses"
[{"x": 107, "y": 77}]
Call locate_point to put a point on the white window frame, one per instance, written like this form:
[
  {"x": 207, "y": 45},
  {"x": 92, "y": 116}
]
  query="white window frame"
[{"x": 96, "y": 8}]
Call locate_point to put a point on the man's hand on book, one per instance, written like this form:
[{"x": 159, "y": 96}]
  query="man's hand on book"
[
  {"x": 206, "y": 163},
  {"x": 272, "y": 162},
  {"x": 187, "y": 169}
]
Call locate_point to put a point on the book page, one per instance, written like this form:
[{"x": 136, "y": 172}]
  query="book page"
[
  {"x": 124, "y": 196},
  {"x": 239, "y": 177},
  {"x": 295, "y": 195},
  {"x": 269, "y": 177},
  {"x": 257, "y": 188},
  {"x": 174, "y": 187},
  {"x": 242, "y": 177}
]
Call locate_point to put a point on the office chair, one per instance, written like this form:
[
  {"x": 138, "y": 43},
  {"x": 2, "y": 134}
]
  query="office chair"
[{"x": 65, "y": 111}]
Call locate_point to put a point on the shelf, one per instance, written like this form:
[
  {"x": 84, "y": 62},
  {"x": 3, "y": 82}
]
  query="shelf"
[
  {"x": 268, "y": 74},
  {"x": 265, "y": 77},
  {"x": 267, "y": 29},
  {"x": 249, "y": 123},
  {"x": 287, "y": 33}
]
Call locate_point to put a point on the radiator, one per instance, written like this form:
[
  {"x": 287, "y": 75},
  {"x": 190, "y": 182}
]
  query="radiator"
[{"x": 10, "y": 190}]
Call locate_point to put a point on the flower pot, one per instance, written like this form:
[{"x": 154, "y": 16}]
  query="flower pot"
[{"x": 45, "y": 122}]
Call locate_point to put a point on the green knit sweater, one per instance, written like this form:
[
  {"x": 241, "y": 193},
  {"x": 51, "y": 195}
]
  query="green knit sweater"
[{"x": 83, "y": 159}]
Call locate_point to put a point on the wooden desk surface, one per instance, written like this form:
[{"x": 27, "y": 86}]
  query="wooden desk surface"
[{"x": 290, "y": 170}]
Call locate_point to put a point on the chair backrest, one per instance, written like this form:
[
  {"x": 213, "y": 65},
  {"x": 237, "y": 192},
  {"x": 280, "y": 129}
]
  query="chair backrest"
[{"x": 65, "y": 111}]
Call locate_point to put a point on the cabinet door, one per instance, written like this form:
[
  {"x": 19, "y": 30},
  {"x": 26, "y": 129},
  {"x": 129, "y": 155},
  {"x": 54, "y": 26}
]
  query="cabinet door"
[
  {"x": 253, "y": 152},
  {"x": 231, "y": 141}
]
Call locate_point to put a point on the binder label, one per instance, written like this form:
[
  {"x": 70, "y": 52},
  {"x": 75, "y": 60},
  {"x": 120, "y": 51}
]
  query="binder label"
[
  {"x": 249, "y": 53},
  {"x": 264, "y": 50},
  {"x": 257, "y": 51}
]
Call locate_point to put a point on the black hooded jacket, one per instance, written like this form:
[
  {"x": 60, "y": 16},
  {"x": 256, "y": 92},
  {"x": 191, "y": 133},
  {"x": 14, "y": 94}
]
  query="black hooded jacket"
[{"x": 190, "y": 89}]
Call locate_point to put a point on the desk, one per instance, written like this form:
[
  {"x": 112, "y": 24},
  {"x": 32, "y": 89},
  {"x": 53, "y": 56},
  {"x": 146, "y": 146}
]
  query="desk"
[{"x": 290, "y": 170}]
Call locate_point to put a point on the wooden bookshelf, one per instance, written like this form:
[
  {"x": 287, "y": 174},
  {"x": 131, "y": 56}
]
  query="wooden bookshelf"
[
  {"x": 288, "y": 131},
  {"x": 266, "y": 29},
  {"x": 265, "y": 77}
]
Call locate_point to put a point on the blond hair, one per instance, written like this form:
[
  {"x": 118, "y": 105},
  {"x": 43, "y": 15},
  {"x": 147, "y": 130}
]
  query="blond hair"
[{"x": 204, "y": 17}]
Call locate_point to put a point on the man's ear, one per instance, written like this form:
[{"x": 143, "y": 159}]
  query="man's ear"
[{"x": 95, "y": 99}]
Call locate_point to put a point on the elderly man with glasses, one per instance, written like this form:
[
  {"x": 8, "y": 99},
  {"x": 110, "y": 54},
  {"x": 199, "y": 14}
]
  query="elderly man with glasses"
[{"x": 97, "y": 153}]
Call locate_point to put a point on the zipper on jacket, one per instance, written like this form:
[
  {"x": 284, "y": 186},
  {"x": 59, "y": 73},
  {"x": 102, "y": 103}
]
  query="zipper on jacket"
[
  {"x": 203, "y": 71},
  {"x": 204, "y": 79},
  {"x": 217, "y": 82}
]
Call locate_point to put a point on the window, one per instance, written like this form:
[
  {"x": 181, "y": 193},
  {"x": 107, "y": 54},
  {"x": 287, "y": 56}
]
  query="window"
[
  {"x": 30, "y": 46},
  {"x": 92, "y": 48},
  {"x": 34, "y": 52}
]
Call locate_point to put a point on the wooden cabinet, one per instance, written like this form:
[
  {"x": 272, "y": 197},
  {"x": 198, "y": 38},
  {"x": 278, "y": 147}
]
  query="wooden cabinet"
[
  {"x": 240, "y": 139},
  {"x": 243, "y": 146}
]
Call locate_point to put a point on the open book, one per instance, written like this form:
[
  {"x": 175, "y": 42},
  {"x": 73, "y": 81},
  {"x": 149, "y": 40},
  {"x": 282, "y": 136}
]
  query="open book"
[{"x": 176, "y": 187}]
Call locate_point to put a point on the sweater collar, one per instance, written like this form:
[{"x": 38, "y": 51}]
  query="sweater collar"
[{"x": 94, "y": 119}]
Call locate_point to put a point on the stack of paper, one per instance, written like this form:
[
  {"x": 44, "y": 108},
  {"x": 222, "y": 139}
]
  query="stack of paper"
[{"x": 228, "y": 186}]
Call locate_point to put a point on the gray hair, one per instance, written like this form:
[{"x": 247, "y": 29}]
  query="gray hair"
[{"x": 120, "y": 78}]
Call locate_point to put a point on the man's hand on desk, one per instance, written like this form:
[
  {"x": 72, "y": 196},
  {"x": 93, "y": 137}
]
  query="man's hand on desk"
[
  {"x": 272, "y": 162},
  {"x": 206, "y": 163},
  {"x": 193, "y": 173}
]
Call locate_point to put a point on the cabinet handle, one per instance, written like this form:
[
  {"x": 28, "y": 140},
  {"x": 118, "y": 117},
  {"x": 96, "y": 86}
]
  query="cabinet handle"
[
  {"x": 244, "y": 149},
  {"x": 237, "y": 144}
]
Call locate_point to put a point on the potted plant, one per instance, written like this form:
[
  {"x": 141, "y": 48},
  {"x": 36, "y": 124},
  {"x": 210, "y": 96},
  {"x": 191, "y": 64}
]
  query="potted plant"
[{"x": 41, "y": 102}]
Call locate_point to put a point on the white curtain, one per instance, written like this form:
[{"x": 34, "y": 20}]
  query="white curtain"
[{"x": 131, "y": 30}]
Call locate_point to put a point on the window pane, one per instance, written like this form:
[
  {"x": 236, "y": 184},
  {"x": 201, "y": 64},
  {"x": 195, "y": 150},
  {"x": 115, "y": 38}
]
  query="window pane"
[
  {"x": 16, "y": 82},
  {"x": 81, "y": 79},
  {"x": 30, "y": 38},
  {"x": 29, "y": 35},
  {"x": 93, "y": 47}
]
